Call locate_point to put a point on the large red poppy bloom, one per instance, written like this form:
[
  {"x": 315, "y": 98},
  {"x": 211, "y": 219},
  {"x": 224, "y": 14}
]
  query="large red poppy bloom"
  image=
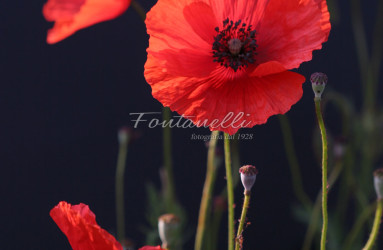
[
  {"x": 223, "y": 63},
  {"x": 72, "y": 15},
  {"x": 79, "y": 224}
]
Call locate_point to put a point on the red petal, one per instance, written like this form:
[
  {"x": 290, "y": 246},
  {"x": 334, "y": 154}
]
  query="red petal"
[
  {"x": 151, "y": 248},
  {"x": 249, "y": 12},
  {"x": 181, "y": 37},
  {"x": 202, "y": 20},
  {"x": 291, "y": 30},
  {"x": 268, "y": 68},
  {"x": 72, "y": 15},
  {"x": 169, "y": 29},
  {"x": 78, "y": 223},
  {"x": 204, "y": 100}
]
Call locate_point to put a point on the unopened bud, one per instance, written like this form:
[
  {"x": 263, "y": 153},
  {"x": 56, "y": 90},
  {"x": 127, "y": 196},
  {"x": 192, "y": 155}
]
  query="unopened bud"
[
  {"x": 168, "y": 227},
  {"x": 378, "y": 182},
  {"x": 248, "y": 176},
  {"x": 318, "y": 82},
  {"x": 124, "y": 135}
]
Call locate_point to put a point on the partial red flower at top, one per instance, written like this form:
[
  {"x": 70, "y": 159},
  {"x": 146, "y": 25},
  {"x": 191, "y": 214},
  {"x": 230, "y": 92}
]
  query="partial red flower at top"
[
  {"x": 79, "y": 224},
  {"x": 151, "y": 248},
  {"x": 224, "y": 63},
  {"x": 72, "y": 15}
]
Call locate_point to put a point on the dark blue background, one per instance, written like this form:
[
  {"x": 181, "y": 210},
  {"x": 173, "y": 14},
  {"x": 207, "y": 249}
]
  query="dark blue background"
[{"x": 61, "y": 106}]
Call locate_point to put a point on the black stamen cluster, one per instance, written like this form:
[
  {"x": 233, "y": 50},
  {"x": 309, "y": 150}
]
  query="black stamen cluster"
[{"x": 221, "y": 50}]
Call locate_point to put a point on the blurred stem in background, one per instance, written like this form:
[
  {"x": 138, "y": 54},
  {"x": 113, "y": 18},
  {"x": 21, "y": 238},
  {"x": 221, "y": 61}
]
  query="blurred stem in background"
[
  {"x": 293, "y": 163},
  {"x": 211, "y": 174},
  {"x": 138, "y": 8},
  {"x": 169, "y": 192},
  {"x": 123, "y": 139}
]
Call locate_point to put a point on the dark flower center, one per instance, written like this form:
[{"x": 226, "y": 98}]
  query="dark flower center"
[{"x": 234, "y": 46}]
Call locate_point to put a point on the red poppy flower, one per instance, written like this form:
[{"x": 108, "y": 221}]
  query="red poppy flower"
[
  {"x": 79, "y": 224},
  {"x": 223, "y": 63},
  {"x": 151, "y": 248},
  {"x": 72, "y": 15}
]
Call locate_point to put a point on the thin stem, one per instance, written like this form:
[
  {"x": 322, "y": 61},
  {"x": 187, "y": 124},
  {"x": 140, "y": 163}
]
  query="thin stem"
[
  {"x": 239, "y": 239},
  {"x": 316, "y": 210},
  {"x": 324, "y": 172},
  {"x": 293, "y": 162},
  {"x": 357, "y": 227},
  {"x": 207, "y": 191},
  {"x": 168, "y": 163},
  {"x": 119, "y": 189},
  {"x": 230, "y": 192},
  {"x": 138, "y": 8},
  {"x": 375, "y": 227}
]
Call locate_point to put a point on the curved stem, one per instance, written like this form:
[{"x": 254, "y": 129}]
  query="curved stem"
[
  {"x": 119, "y": 189},
  {"x": 324, "y": 172},
  {"x": 375, "y": 227},
  {"x": 230, "y": 192},
  {"x": 207, "y": 191},
  {"x": 239, "y": 239}
]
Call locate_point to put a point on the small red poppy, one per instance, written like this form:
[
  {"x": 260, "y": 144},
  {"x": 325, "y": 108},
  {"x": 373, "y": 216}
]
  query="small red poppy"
[
  {"x": 151, "y": 248},
  {"x": 224, "y": 63},
  {"x": 79, "y": 224},
  {"x": 72, "y": 15}
]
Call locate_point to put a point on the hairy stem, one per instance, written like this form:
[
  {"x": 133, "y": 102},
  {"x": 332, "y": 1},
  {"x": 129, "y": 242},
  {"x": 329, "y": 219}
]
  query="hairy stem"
[
  {"x": 230, "y": 192},
  {"x": 324, "y": 172}
]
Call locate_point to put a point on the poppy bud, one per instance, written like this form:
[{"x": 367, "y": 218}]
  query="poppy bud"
[
  {"x": 318, "y": 81},
  {"x": 123, "y": 135},
  {"x": 378, "y": 182},
  {"x": 167, "y": 227},
  {"x": 248, "y": 175}
]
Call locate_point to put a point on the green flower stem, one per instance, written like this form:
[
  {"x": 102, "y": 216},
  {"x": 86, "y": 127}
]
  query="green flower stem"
[
  {"x": 293, "y": 162},
  {"x": 119, "y": 189},
  {"x": 375, "y": 227},
  {"x": 168, "y": 163},
  {"x": 207, "y": 191},
  {"x": 230, "y": 192},
  {"x": 246, "y": 202},
  {"x": 324, "y": 172},
  {"x": 357, "y": 228},
  {"x": 314, "y": 219}
]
